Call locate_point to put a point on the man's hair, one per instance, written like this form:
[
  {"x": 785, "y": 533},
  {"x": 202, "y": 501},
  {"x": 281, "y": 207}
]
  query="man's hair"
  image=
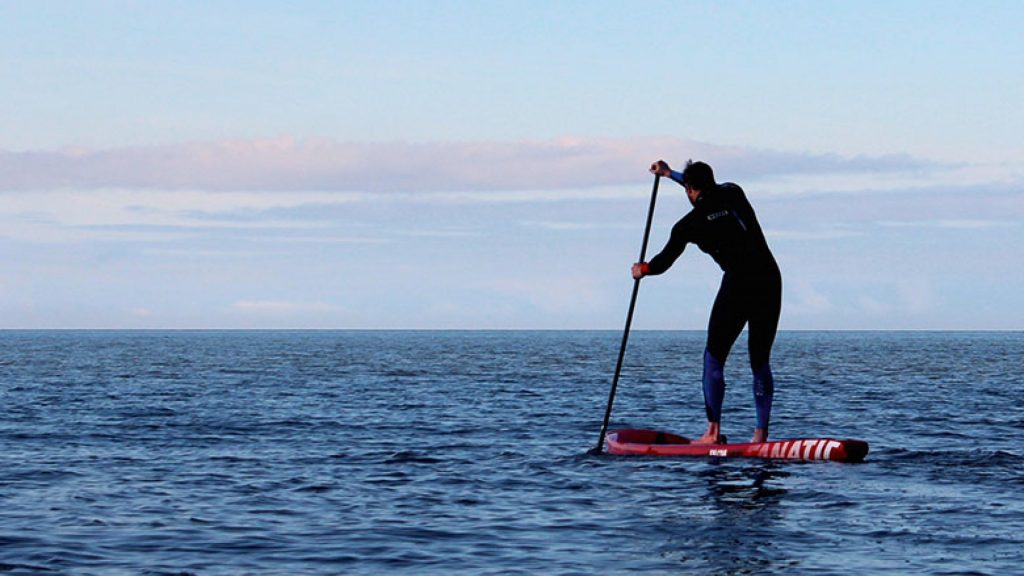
[{"x": 699, "y": 175}]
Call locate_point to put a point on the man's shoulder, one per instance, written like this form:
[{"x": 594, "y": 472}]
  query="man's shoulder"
[
  {"x": 687, "y": 220},
  {"x": 733, "y": 194}
]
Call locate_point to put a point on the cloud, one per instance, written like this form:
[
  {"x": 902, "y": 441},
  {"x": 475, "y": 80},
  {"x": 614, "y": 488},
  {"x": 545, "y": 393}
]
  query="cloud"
[
  {"x": 552, "y": 294},
  {"x": 808, "y": 300},
  {"x": 567, "y": 226},
  {"x": 282, "y": 307},
  {"x": 817, "y": 232},
  {"x": 951, "y": 224},
  {"x": 153, "y": 215},
  {"x": 917, "y": 296},
  {"x": 288, "y": 164}
]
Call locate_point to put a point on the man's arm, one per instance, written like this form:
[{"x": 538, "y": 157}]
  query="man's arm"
[{"x": 668, "y": 255}]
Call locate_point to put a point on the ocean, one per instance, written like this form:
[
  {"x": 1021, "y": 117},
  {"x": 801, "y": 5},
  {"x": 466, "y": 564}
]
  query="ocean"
[{"x": 465, "y": 452}]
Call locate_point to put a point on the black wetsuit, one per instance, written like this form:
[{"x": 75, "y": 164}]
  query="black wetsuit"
[{"x": 722, "y": 224}]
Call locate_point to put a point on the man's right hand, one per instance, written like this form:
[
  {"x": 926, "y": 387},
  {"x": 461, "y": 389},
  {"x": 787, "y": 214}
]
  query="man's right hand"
[
  {"x": 640, "y": 269},
  {"x": 661, "y": 168}
]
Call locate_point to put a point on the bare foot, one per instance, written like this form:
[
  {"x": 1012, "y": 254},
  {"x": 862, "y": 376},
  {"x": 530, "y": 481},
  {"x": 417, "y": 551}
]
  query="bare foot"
[
  {"x": 760, "y": 435},
  {"x": 708, "y": 439},
  {"x": 712, "y": 436}
]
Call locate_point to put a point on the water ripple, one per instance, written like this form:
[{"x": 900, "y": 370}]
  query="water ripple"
[{"x": 466, "y": 453}]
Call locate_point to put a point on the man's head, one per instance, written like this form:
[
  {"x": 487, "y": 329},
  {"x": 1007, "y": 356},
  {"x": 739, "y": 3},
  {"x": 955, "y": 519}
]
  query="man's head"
[{"x": 697, "y": 178}]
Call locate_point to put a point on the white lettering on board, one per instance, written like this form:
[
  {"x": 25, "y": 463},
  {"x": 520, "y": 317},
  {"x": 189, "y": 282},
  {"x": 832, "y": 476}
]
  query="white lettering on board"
[
  {"x": 808, "y": 446},
  {"x": 821, "y": 447},
  {"x": 828, "y": 447},
  {"x": 794, "y": 450},
  {"x": 777, "y": 448}
]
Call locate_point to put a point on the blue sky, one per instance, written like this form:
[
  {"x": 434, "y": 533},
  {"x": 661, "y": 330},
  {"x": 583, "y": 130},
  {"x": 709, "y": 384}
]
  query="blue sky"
[{"x": 483, "y": 164}]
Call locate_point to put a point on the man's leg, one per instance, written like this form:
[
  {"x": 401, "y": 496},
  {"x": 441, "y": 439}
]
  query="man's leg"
[
  {"x": 724, "y": 326},
  {"x": 714, "y": 395},
  {"x": 764, "y": 323},
  {"x": 764, "y": 393}
]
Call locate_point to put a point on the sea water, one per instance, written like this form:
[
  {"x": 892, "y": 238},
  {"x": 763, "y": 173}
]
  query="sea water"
[{"x": 453, "y": 452}]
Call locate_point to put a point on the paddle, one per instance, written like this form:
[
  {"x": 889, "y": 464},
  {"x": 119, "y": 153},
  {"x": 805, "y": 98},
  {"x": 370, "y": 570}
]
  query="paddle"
[{"x": 629, "y": 320}]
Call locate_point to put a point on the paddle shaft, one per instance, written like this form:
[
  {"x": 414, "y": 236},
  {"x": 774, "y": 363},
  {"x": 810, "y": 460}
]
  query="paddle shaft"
[{"x": 629, "y": 321}]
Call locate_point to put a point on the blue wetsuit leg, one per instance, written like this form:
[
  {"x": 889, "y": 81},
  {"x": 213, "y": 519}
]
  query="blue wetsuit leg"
[
  {"x": 714, "y": 387},
  {"x": 764, "y": 392}
]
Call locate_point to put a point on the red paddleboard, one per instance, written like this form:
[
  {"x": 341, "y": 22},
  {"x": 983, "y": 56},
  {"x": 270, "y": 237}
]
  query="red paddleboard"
[{"x": 655, "y": 443}]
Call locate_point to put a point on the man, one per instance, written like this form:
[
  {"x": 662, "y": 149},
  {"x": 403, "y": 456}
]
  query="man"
[{"x": 722, "y": 224}]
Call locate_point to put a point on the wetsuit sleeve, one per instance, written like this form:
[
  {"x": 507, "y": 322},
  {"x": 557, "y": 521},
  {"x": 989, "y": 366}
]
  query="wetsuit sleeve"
[
  {"x": 676, "y": 176},
  {"x": 672, "y": 250}
]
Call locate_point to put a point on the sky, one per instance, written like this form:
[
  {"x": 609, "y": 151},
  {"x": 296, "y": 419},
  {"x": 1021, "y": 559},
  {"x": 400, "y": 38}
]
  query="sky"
[{"x": 483, "y": 165}]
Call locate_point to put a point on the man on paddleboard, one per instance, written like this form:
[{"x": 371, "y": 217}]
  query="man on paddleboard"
[{"x": 722, "y": 224}]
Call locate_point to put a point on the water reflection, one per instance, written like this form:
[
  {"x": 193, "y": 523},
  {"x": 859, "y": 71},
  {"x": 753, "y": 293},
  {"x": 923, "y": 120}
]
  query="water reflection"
[
  {"x": 735, "y": 531},
  {"x": 748, "y": 487}
]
